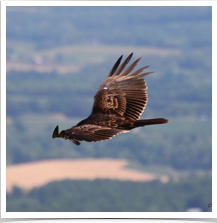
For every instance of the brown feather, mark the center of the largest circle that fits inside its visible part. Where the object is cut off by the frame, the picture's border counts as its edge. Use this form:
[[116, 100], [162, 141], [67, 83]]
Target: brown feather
[[118, 104]]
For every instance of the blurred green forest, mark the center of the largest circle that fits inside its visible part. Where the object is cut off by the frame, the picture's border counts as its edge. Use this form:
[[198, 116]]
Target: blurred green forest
[[114, 196], [179, 90]]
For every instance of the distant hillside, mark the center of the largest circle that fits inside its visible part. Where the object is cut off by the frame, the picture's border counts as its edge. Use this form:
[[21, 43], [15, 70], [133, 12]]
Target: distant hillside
[[150, 26]]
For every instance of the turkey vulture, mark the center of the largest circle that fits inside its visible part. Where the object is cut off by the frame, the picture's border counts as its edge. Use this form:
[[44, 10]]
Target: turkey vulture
[[118, 104]]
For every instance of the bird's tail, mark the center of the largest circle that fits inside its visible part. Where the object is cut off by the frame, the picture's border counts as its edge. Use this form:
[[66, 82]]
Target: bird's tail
[[143, 122], [154, 121]]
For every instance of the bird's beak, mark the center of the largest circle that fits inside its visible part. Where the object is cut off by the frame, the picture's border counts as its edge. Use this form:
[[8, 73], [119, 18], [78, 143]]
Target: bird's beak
[[62, 134], [56, 132]]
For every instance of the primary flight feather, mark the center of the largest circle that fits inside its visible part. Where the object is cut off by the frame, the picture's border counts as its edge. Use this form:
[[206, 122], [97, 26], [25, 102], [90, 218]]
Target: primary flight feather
[[118, 104]]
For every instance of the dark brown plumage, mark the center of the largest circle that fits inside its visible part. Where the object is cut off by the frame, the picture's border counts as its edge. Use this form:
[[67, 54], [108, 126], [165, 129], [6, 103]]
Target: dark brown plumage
[[118, 104]]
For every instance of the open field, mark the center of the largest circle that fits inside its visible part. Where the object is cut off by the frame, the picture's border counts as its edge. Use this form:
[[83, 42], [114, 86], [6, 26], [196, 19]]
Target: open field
[[36, 174], [70, 59]]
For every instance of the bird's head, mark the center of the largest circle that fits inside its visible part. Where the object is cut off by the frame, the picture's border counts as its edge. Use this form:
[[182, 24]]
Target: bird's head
[[64, 135]]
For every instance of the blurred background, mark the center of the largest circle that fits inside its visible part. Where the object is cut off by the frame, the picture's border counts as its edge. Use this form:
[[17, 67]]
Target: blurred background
[[56, 59]]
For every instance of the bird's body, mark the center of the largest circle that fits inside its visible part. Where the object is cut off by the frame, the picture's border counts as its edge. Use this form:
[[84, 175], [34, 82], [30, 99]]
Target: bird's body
[[118, 104]]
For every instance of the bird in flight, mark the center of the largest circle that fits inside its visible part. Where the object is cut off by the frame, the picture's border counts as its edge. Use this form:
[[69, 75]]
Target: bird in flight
[[118, 104]]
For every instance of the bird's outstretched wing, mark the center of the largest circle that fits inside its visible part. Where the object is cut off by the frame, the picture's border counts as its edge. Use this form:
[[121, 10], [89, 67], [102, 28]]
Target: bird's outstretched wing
[[122, 93], [88, 132], [118, 104]]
